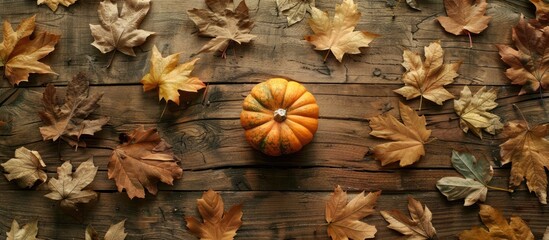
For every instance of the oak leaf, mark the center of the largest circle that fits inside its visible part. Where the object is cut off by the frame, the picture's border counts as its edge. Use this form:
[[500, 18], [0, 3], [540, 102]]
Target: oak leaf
[[115, 232], [141, 161], [473, 111], [19, 53], [217, 224], [427, 79], [53, 4], [69, 120], [498, 227], [169, 77], [26, 168], [528, 63], [408, 137], [69, 187], [528, 150], [419, 227], [344, 217], [28, 232], [294, 10], [465, 17], [224, 23], [542, 12], [337, 34]]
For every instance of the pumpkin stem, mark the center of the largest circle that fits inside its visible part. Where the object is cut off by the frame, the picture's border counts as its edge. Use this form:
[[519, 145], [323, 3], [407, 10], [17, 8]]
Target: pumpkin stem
[[280, 115]]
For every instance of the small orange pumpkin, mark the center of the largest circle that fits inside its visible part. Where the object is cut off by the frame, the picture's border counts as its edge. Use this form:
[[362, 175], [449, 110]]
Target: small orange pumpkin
[[279, 116]]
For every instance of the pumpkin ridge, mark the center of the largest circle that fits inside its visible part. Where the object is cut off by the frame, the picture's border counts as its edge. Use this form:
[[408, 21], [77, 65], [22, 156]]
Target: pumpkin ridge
[[257, 93], [273, 85]]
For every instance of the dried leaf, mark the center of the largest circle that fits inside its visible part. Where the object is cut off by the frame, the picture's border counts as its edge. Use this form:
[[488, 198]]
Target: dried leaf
[[169, 77], [53, 4], [473, 111], [28, 232], [68, 187], [141, 161], [217, 224], [26, 168], [498, 227], [546, 234], [408, 138], [69, 120], [413, 4], [224, 23], [2, 123], [419, 227], [542, 12], [344, 218], [337, 34], [115, 232], [528, 64], [427, 79], [464, 16], [295, 10], [19, 54], [528, 150]]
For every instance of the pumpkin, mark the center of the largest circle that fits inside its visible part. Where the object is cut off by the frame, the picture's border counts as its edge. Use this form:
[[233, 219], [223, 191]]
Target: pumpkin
[[279, 116]]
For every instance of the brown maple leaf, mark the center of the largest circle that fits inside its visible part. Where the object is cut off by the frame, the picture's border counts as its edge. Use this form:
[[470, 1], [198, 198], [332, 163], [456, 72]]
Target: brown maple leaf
[[542, 13], [28, 232], [528, 150], [294, 10], [115, 232], [19, 53], [119, 31], [473, 111], [217, 224], [427, 79], [27, 168], [53, 4], [528, 64], [465, 17], [69, 120], [418, 227], [408, 138], [224, 23], [337, 34], [141, 161], [344, 217], [498, 227], [69, 187]]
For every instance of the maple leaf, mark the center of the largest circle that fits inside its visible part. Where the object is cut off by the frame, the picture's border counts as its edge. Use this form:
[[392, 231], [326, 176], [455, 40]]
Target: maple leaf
[[294, 10], [19, 53], [224, 23], [53, 4], [418, 227], [465, 17], [169, 77], [68, 120], [427, 79], [217, 224], [528, 64], [473, 111], [115, 232], [28, 232], [337, 34], [528, 150], [344, 217], [142, 160], [498, 227], [27, 168], [68, 187], [542, 12], [408, 138], [120, 30]]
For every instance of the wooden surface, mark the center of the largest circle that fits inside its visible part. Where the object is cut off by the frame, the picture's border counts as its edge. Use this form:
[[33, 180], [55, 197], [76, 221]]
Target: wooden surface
[[283, 197]]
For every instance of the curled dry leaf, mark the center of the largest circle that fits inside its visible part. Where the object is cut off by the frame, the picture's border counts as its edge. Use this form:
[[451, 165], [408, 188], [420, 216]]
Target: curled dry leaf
[[528, 63], [170, 77], [542, 12], [344, 217], [408, 138], [427, 79], [141, 161], [498, 227], [413, 4], [224, 23], [419, 227], [473, 111], [337, 34], [69, 120], [528, 150], [53, 4], [68, 187], [294, 10], [115, 232], [26, 168], [217, 224], [465, 17], [19, 54], [28, 232]]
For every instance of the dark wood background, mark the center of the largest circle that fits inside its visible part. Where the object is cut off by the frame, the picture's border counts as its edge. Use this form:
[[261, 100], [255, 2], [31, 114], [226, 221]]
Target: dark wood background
[[283, 197]]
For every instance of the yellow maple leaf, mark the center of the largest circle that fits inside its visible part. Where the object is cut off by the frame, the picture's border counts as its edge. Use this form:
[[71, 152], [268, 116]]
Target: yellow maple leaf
[[498, 227], [53, 4], [170, 77], [473, 111]]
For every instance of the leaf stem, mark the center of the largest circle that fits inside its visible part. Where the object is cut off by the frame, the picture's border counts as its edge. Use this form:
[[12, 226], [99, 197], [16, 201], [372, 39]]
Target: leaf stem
[[326, 56], [112, 58], [420, 102], [499, 189], [470, 40], [522, 115], [162, 114]]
